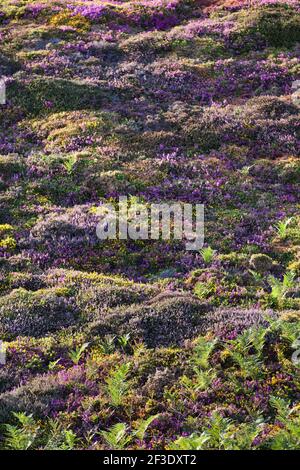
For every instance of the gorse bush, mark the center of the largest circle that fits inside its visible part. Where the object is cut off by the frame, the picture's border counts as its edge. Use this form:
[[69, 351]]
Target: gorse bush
[[77, 22]]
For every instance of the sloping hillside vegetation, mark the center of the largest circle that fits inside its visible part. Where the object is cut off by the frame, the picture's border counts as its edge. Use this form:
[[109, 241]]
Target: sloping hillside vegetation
[[142, 344]]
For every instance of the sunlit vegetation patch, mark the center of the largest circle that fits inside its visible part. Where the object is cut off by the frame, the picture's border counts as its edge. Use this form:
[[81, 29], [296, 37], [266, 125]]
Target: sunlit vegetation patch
[[123, 344]]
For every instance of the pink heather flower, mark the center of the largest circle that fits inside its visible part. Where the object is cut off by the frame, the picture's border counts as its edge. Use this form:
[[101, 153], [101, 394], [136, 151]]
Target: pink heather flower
[[48, 104]]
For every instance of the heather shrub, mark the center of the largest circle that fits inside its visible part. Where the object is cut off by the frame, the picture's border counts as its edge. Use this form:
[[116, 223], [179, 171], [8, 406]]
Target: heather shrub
[[261, 263], [94, 300], [278, 25], [146, 43], [49, 390], [246, 125], [156, 382], [262, 170], [78, 279], [59, 189], [18, 262], [8, 65], [270, 107], [60, 94], [76, 129], [109, 288], [11, 165], [8, 380], [55, 163], [95, 293], [233, 260], [199, 48], [164, 101], [165, 322], [25, 313], [229, 322], [28, 281], [61, 232], [289, 170], [208, 131]]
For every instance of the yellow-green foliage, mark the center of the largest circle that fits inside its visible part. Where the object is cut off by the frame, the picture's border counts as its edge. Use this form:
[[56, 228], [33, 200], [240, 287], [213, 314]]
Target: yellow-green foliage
[[60, 128], [72, 277], [8, 243], [5, 229], [278, 24], [295, 267], [199, 48], [66, 18]]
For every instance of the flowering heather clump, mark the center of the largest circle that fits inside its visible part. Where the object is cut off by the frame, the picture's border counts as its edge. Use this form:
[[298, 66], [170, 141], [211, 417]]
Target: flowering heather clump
[[123, 344], [29, 313]]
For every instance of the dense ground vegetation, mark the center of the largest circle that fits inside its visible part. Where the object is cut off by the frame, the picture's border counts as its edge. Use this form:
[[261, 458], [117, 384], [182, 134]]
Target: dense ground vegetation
[[126, 345]]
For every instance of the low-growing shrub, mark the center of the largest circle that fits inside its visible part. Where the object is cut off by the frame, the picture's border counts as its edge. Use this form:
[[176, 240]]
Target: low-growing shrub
[[26, 313], [163, 323]]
